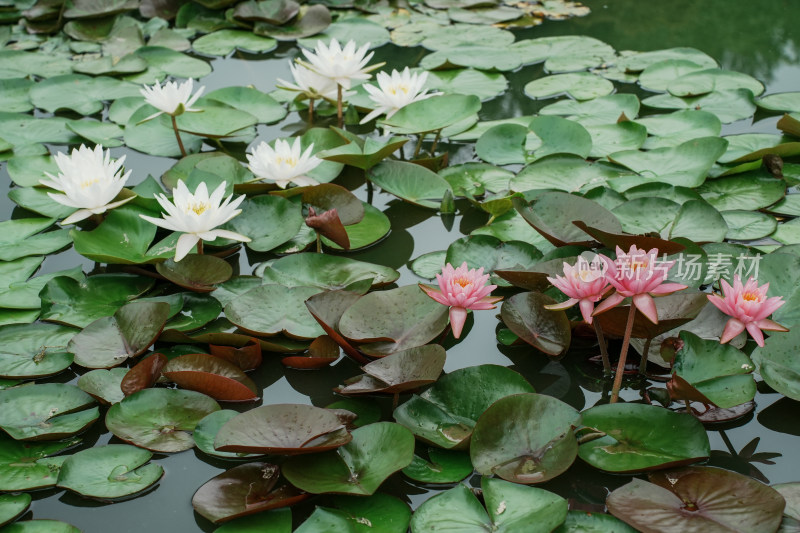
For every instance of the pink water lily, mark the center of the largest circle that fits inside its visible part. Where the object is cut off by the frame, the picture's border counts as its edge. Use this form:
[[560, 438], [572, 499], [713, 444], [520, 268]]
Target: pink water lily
[[748, 307], [585, 284], [638, 275], [462, 289]]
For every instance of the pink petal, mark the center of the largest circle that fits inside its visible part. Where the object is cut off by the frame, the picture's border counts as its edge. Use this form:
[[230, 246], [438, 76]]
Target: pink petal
[[587, 306], [458, 315], [667, 288], [646, 304], [754, 332], [435, 294], [720, 304], [732, 329], [770, 325], [612, 301]]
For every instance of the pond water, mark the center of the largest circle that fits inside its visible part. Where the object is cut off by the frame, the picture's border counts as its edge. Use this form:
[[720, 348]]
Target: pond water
[[761, 40]]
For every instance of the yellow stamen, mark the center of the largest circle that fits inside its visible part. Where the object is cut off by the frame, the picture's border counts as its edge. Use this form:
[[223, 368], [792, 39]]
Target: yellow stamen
[[462, 281], [89, 182], [291, 161], [198, 208], [751, 297]]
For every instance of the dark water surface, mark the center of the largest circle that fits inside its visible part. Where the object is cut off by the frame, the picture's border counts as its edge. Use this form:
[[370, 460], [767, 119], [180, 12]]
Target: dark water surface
[[758, 38]]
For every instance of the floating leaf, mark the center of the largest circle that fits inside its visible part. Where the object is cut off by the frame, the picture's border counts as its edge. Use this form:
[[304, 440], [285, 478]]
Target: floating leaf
[[36, 350], [104, 385], [445, 466], [398, 372], [546, 330], [272, 309], [12, 506], [410, 182], [28, 465], [48, 411], [216, 377]]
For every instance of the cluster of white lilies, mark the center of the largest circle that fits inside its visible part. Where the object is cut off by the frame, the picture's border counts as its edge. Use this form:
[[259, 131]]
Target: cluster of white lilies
[[90, 181]]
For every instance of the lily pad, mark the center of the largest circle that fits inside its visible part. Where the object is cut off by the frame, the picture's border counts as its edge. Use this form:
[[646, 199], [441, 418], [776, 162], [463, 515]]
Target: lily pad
[[410, 182], [510, 508], [432, 114], [325, 271], [21, 238], [144, 374], [223, 42], [398, 372], [445, 414], [110, 341], [206, 431], [776, 364], [638, 437], [272, 309], [311, 20], [244, 490], [286, 429], [196, 272], [749, 191], [359, 467], [393, 320], [29, 465], [564, 173], [109, 472], [12, 506], [728, 105], [35, 350], [588, 522], [104, 385], [48, 411], [160, 420], [380, 513], [443, 466], [525, 438], [79, 93], [578, 85], [214, 376], [697, 498], [545, 330]]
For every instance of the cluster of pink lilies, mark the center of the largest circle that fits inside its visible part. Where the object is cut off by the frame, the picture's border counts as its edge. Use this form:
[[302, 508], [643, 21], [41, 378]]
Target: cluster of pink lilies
[[637, 274]]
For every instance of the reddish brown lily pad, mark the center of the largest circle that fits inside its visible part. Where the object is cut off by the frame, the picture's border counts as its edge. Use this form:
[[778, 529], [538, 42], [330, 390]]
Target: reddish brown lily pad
[[327, 308], [674, 310], [144, 375], [244, 490], [322, 352], [216, 377], [247, 357], [399, 372]]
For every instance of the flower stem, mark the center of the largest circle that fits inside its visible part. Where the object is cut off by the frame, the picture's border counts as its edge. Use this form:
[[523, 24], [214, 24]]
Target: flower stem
[[419, 145], [623, 355], [178, 136], [339, 114], [97, 218], [601, 340], [319, 243], [200, 247], [436, 141], [645, 353], [311, 113]]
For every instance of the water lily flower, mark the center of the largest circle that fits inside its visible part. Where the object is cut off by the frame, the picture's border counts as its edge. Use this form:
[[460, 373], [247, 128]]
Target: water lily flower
[[283, 164], [172, 99], [396, 91], [197, 215], [340, 64], [585, 284], [308, 83], [89, 179], [748, 307], [462, 289], [638, 275]]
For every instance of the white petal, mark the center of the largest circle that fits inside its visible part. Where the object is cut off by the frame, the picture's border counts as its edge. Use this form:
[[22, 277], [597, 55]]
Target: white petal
[[186, 243]]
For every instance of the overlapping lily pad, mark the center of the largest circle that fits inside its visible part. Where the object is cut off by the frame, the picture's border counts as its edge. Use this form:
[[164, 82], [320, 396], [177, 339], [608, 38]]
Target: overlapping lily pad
[[445, 414], [160, 420], [546, 330], [398, 372], [325, 271], [49, 411], [31, 465], [272, 309], [214, 376]]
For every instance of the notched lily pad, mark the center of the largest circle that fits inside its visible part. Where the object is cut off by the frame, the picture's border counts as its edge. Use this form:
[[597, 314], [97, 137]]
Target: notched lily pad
[[398, 372]]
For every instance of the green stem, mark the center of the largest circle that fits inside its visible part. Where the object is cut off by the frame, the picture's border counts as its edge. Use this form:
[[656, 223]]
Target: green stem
[[419, 145], [601, 340], [623, 355], [311, 113], [436, 141], [645, 353], [178, 135], [339, 114]]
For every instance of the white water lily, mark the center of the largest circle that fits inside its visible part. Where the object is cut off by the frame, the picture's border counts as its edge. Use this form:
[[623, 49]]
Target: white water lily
[[396, 91], [172, 99], [309, 83], [197, 215], [342, 65], [89, 179], [284, 163]]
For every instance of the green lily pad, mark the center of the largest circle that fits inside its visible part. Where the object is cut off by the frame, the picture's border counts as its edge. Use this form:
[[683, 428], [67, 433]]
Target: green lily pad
[[479, 56], [698, 221], [326, 272], [16, 93], [207, 429], [640, 437], [272, 309], [311, 20], [705, 81], [509, 507], [398, 372], [714, 498], [673, 129], [12, 506], [244, 490], [197, 311], [21, 238], [432, 114], [611, 138], [749, 191], [748, 225], [445, 414], [393, 320], [587, 522], [359, 467], [360, 30], [719, 371], [363, 154], [379, 513], [28, 465], [444, 466], [286, 429], [23, 130], [223, 42], [373, 227], [639, 61], [156, 136], [646, 214], [525, 438], [41, 526], [36, 199], [104, 385], [729, 105], [110, 341], [79, 93], [35, 350], [162, 61], [545, 330], [578, 85], [563, 172], [658, 76], [160, 420], [746, 146], [200, 273], [34, 412], [262, 106], [776, 364], [490, 253], [484, 85], [599, 111], [503, 144], [788, 102], [109, 472]]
